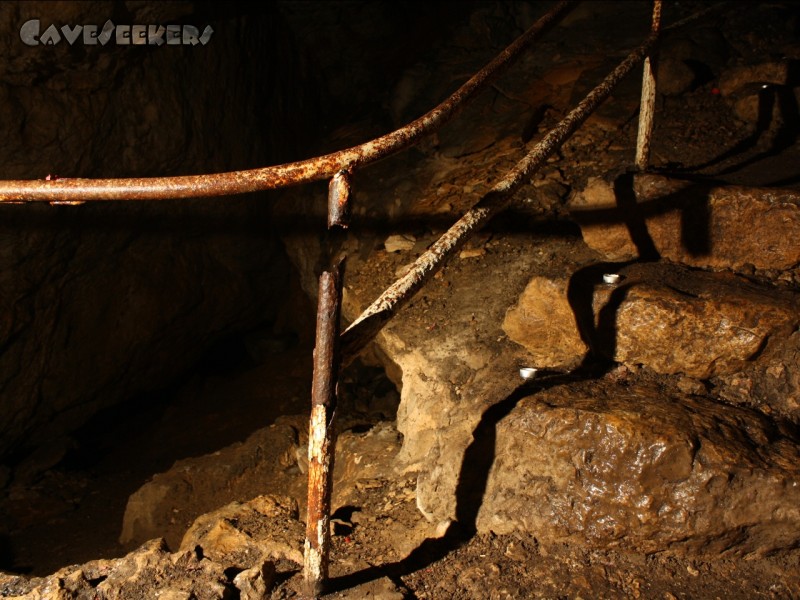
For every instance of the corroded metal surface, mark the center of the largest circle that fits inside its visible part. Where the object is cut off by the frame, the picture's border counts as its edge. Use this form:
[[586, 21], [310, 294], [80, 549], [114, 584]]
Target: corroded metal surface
[[322, 167], [339, 190], [370, 322], [322, 431]]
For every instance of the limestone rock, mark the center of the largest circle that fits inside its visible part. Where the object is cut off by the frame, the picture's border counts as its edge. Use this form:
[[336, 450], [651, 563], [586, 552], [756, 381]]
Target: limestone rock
[[608, 235], [686, 61], [647, 473], [228, 553], [772, 384], [168, 504], [378, 589], [269, 459], [152, 568], [399, 242], [700, 324], [740, 76], [718, 227], [741, 85], [675, 77], [150, 571], [255, 583], [668, 318], [239, 534], [544, 323]]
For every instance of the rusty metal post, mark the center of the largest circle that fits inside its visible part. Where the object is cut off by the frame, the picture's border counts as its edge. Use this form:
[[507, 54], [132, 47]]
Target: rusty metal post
[[339, 199], [648, 103], [322, 428], [322, 432]]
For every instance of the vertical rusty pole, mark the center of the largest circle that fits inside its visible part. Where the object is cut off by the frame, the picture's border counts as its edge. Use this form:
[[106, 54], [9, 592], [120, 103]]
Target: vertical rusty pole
[[322, 430], [647, 108]]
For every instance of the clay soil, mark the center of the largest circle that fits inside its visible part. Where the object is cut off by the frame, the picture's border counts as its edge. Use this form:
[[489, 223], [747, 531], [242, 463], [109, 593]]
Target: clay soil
[[71, 509]]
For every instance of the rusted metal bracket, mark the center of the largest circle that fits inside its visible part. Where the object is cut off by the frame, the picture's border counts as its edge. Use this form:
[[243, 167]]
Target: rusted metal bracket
[[372, 320], [648, 103], [267, 178]]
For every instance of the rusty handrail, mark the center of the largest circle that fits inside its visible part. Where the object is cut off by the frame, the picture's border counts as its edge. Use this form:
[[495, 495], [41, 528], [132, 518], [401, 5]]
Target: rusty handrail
[[266, 178], [322, 430]]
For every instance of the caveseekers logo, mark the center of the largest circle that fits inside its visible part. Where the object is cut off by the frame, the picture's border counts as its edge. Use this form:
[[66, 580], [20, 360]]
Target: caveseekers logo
[[123, 35]]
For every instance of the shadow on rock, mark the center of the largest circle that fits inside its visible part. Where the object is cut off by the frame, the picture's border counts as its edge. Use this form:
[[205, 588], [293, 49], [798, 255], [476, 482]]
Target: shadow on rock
[[475, 467]]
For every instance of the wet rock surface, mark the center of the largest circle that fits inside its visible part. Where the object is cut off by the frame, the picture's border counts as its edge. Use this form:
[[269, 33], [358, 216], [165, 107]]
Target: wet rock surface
[[635, 467]]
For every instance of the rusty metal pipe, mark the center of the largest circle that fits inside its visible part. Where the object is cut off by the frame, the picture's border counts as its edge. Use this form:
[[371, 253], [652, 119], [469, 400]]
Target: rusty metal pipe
[[322, 431], [254, 180], [372, 320], [322, 428]]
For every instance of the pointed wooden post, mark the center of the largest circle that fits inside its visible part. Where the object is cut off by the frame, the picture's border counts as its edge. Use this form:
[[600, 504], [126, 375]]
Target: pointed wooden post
[[647, 108]]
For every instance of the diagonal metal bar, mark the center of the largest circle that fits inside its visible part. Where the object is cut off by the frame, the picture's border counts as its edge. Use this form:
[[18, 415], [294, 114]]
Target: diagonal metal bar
[[254, 180], [372, 320]]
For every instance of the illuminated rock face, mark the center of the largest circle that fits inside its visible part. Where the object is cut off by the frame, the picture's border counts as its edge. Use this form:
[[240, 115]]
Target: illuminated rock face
[[653, 455], [708, 322], [666, 317], [693, 223], [636, 469]]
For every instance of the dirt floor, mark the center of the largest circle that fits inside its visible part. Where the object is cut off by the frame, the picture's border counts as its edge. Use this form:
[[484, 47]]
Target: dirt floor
[[71, 510]]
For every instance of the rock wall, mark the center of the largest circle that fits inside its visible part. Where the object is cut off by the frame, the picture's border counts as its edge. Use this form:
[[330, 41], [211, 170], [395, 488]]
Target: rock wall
[[102, 301]]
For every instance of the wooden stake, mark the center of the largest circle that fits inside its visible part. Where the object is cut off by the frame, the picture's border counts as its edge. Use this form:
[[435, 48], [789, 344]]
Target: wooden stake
[[648, 103]]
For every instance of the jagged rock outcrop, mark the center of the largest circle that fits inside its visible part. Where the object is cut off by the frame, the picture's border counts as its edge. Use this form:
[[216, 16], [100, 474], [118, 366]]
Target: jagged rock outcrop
[[666, 317], [227, 553]]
